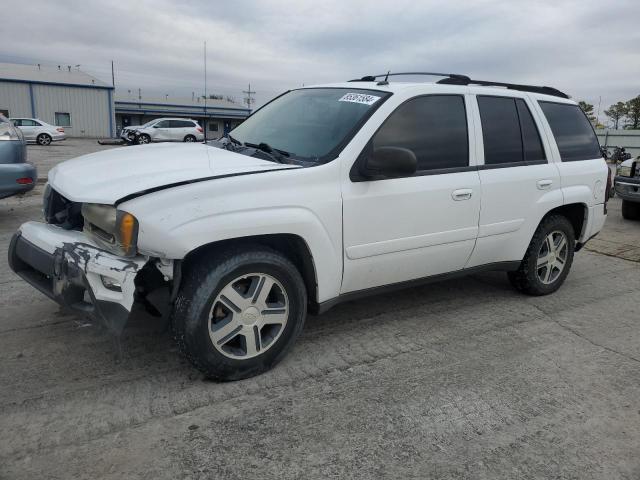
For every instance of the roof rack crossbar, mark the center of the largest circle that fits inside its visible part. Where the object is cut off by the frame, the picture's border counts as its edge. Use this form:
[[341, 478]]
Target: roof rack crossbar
[[457, 79]]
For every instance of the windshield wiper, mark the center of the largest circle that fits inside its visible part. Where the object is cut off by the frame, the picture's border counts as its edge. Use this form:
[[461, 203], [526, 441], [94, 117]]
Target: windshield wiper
[[233, 140], [277, 154]]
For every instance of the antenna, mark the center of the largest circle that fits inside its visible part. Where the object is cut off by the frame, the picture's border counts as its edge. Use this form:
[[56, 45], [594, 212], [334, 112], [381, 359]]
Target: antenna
[[386, 79], [113, 78]]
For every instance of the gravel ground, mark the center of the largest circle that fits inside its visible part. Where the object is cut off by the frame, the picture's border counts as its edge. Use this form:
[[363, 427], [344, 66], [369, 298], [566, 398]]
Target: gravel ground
[[461, 379]]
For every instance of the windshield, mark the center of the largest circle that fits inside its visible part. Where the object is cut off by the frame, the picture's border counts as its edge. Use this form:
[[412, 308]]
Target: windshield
[[310, 123]]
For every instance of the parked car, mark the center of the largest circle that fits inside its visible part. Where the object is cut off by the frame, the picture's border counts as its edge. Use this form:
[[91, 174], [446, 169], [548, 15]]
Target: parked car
[[627, 186], [325, 194], [16, 175], [164, 130], [35, 130]]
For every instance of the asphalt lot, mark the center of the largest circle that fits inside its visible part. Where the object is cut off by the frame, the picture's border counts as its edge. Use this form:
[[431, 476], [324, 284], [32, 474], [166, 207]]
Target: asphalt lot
[[461, 379]]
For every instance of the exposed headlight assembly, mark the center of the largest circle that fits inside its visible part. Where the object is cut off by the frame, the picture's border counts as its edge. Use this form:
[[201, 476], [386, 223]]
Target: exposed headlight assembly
[[113, 229]]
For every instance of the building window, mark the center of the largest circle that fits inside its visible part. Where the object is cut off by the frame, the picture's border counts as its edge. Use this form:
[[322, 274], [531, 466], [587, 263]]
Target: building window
[[63, 119], [213, 126]]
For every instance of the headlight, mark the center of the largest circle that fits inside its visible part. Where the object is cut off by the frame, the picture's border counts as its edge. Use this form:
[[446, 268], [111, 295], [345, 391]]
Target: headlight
[[114, 229], [624, 171]]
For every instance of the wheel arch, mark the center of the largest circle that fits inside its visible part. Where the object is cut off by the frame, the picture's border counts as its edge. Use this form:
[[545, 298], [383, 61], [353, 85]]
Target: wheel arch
[[576, 213], [292, 246]]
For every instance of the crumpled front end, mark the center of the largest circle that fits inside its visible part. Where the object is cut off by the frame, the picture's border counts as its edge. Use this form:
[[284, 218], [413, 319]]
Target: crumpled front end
[[67, 267]]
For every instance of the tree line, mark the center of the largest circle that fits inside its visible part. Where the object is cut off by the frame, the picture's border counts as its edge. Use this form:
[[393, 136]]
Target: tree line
[[622, 114]]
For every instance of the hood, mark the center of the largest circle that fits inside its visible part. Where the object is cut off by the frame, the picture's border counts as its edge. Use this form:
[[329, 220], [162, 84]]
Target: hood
[[107, 176], [629, 162]]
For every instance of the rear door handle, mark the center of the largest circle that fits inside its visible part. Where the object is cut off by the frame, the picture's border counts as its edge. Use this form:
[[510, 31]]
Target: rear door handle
[[544, 184], [462, 194]]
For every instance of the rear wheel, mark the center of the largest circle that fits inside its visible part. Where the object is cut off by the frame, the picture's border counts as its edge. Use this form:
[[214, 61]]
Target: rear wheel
[[630, 210], [238, 312], [548, 259], [43, 139], [189, 138]]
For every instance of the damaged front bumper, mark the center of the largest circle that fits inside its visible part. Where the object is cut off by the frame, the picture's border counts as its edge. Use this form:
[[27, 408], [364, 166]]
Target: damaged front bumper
[[67, 267]]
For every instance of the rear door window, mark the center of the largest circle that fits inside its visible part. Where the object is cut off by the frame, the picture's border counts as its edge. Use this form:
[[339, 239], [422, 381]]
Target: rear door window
[[574, 134], [500, 130]]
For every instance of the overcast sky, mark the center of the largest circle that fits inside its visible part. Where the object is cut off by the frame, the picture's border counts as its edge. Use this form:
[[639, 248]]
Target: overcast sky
[[586, 48]]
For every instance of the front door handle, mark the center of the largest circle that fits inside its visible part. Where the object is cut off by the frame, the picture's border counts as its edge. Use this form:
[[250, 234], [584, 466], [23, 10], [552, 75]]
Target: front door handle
[[462, 194], [544, 184]]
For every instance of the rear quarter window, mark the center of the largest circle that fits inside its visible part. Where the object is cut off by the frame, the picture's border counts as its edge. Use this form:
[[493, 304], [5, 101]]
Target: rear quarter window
[[574, 134]]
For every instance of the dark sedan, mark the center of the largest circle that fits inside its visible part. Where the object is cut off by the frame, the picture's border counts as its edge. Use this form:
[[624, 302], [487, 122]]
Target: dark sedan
[[16, 175]]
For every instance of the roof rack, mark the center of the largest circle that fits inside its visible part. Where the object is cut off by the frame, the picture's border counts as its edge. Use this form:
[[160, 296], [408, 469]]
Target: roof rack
[[457, 79], [372, 78]]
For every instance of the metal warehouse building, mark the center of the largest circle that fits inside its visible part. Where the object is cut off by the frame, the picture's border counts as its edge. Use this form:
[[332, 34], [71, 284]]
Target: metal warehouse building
[[86, 107], [61, 96]]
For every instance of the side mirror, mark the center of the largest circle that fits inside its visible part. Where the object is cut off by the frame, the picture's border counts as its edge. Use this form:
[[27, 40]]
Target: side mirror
[[390, 162]]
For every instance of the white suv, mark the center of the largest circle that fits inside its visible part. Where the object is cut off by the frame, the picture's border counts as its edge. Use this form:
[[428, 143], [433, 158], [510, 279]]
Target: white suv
[[325, 194], [165, 130]]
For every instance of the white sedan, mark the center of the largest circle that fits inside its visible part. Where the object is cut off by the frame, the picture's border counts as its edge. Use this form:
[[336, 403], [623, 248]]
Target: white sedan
[[35, 130]]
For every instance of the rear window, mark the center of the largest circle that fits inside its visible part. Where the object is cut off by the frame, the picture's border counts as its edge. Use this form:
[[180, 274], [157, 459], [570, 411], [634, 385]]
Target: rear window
[[574, 134]]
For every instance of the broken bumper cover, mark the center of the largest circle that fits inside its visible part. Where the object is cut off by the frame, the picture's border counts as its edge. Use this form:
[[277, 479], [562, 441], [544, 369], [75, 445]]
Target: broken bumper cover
[[67, 267]]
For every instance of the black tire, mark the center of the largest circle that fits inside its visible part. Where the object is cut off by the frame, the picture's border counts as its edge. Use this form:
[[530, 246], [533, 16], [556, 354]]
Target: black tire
[[526, 278], [143, 139], [43, 139], [630, 210], [203, 280], [189, 138]]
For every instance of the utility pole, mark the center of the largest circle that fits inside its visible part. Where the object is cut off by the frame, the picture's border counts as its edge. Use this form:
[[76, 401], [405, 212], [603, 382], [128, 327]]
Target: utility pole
[[113, 77], [205, 91], [248, 100]]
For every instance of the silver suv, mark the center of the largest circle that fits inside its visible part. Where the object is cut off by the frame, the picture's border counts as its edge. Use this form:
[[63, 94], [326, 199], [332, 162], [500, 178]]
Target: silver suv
[[164, 130]]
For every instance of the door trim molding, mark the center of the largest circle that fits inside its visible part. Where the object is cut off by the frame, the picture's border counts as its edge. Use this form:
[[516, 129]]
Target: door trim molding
[[358, 294]]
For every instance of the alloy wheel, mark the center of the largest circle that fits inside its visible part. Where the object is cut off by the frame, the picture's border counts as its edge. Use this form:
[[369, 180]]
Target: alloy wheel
[[552, 257], [248, 316]]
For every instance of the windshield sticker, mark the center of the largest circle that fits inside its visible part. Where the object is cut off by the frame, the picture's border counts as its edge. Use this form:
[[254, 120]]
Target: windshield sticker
[[359, 98]]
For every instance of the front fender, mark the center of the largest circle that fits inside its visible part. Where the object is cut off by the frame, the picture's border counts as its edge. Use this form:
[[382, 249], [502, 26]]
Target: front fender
[[303, 202]]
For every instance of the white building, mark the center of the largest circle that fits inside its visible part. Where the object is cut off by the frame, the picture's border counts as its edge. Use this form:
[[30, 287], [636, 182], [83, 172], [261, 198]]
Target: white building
[[63, 96]]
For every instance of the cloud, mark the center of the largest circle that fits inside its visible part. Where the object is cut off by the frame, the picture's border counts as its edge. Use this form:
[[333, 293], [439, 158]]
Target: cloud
[[587, 48]]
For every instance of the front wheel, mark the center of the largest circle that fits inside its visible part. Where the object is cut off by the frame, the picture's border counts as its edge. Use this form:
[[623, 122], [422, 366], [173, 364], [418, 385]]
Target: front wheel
[[548, 259], [43, 139], [144, 139], [239, 311], [630, 210]]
